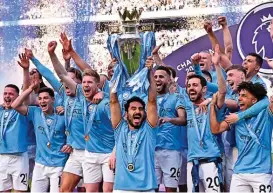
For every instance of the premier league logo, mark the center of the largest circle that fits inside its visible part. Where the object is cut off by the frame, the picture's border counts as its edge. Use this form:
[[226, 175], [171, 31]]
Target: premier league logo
[[253, 35]]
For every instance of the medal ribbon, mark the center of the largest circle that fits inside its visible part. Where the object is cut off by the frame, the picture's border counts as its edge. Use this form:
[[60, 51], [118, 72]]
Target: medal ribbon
[[49, 130], [204, 120], [68, 118], [131, 155], [87, 127], [4, 126]]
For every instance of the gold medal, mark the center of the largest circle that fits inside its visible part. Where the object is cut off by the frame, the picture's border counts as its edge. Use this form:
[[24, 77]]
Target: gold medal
[[86, 137], [48, 144], [66, 132], [131, 167]]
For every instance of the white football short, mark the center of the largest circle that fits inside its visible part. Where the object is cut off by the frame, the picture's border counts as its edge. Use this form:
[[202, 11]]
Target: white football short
[[249, 182], [43, 176], [74, 163], [183, 168], [208, 175], [14, 170], [96, 168], [167, 167]]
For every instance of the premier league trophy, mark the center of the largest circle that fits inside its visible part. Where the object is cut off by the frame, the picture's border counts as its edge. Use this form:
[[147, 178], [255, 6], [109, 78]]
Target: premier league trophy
[[130, 43]]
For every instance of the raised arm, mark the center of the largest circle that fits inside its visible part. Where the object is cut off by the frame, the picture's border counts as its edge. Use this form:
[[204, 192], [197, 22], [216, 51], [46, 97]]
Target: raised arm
[[67, 58], [222, 20], [45, 72], [24, 63], [213, 39], [152, 115], [18, 103], [115, 110], [67, 46], [215, 126], [60, 70], [222, 89], [156, 56]]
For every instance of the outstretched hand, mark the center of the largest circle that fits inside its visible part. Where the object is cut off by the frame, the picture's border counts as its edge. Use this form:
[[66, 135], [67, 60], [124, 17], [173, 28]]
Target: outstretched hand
[[67, 44], [28, 53], [24, 61]]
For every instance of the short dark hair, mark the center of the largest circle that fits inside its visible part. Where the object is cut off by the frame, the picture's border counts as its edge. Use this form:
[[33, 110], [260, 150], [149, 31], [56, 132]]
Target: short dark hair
[[259, 59], [172, 70], [93, 73], [77, 72], [14, 87], [257, 89], [205, 72], [203, 81], [236, 67], [165, 68], [48, 90], [133, 99]]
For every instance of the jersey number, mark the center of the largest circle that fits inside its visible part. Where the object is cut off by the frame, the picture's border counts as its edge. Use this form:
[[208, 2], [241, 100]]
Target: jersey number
[[175, 172], [213, 182], [263, 188], [23, 178]]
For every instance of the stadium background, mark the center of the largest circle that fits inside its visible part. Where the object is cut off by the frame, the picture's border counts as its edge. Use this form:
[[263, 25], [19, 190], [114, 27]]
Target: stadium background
[[33, 23]]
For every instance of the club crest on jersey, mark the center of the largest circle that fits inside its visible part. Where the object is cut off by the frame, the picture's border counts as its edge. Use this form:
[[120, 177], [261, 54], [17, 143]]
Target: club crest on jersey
[[48, 121], [253, 34], [70, 102], [6, 114], [126, 95], [90, 108]]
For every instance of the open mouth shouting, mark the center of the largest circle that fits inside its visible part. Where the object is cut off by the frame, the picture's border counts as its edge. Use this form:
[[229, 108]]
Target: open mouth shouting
[[137, 119], [7, 101], [43, 106]]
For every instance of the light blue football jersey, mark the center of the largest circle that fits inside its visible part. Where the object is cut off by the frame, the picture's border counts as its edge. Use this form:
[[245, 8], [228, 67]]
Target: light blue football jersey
[[143, 177], [253, 140], [51, 130], [258, 79], [14, 128], [101, 133], [73, 118], [169, 135], [210, 146]]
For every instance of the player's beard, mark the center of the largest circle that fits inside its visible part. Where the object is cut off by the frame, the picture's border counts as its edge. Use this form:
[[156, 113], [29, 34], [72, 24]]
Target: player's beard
[[198, 97], [163, 89]]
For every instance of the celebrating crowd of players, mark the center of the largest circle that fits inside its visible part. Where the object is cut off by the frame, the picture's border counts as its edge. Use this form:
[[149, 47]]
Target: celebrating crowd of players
[[213, 134]]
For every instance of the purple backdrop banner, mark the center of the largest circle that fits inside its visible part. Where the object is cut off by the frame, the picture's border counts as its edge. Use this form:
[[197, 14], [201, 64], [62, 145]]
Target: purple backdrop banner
[[252, 34]]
